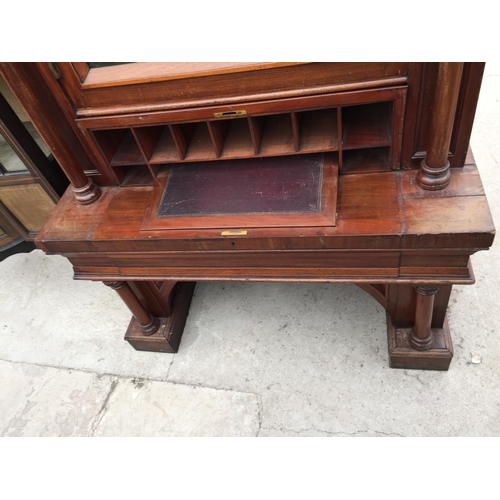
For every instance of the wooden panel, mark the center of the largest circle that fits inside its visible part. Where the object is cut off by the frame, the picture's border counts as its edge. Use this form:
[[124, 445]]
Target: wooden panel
[[256, 125], [458, 215], [147, 138], [29, 204], [253, 108], [440, 273], [466, 109], [434, 258], [109, 141], [295, 275], [128, 152], [318, 130], [138, 175], [238, 142], [281, 81], [218, 131], [428, 85], [201, 146], [169, 146], [367, 196], [366, 126], [401, 305], [326, 259], [365, 160], [277, 135], [151, 297], [295, 129]]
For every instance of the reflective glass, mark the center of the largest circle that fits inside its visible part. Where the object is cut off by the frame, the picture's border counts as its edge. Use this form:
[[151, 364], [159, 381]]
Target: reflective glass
[[9, 159]]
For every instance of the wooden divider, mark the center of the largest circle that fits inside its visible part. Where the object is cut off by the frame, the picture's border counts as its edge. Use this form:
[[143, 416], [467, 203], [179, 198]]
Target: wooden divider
[[361, 134]]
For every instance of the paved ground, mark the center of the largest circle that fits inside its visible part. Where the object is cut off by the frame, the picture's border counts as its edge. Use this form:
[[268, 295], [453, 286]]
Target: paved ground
[[255, 359]]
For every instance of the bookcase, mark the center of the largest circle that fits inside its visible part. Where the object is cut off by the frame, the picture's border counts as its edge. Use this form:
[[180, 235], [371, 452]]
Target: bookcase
[[302, 172]]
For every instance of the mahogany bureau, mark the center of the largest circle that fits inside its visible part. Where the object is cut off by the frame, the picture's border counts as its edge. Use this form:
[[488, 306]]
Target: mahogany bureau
[[302, 172]]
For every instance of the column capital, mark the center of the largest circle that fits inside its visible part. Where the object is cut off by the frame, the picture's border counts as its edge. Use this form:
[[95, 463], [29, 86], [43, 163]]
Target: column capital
[[426, 290]]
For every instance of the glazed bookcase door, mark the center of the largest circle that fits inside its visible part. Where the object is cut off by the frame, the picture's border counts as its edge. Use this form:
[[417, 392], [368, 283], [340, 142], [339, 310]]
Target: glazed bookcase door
[[136, 87], [27, 198]]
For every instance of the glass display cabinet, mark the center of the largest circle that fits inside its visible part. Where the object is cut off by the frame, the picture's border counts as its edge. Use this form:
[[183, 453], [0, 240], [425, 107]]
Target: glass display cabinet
[[31, 182], [302, 172]]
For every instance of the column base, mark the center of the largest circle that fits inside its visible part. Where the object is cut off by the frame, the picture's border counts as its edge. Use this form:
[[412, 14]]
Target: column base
[[168, 336], [433, 179], [402, 355], [87, 194]]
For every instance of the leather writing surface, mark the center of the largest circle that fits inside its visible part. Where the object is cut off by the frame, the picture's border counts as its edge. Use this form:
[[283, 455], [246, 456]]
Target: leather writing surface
[[280, 185]]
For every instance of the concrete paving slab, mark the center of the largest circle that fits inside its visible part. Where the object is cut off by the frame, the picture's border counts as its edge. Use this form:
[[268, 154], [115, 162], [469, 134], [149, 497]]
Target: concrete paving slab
[[39, 401], [318, 356], [50, 319], [147, 408], [260, 327]]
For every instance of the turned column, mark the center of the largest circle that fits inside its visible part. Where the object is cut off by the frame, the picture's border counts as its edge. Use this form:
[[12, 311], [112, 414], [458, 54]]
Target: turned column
[[421, 337], [434, 171], [148, 323]]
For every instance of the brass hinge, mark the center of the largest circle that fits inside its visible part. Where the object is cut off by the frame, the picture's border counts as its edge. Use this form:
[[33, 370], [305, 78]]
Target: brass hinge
[[56, 73]]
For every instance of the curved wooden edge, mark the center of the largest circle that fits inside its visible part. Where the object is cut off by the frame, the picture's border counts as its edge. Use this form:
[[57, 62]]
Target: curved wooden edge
[[376, 292]]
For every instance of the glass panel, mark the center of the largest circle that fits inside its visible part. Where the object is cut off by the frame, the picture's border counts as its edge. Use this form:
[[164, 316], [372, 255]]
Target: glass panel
[[95, 65], [9, 161], [14, 104], [34, 133]]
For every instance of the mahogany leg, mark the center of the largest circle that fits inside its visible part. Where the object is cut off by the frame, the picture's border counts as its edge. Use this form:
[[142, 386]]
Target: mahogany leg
[[148, 323], [165, 304], [421, 337], [417, 329]]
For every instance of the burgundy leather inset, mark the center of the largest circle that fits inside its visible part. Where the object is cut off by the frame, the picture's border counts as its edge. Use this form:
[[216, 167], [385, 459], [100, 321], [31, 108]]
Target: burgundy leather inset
[[279, 185]]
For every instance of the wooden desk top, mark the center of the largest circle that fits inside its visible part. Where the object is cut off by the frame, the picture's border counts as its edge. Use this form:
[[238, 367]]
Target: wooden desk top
[[388, 231]]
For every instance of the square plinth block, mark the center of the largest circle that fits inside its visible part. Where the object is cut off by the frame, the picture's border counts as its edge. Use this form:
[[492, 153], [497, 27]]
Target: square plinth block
[[168, 337], [402, 355]]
